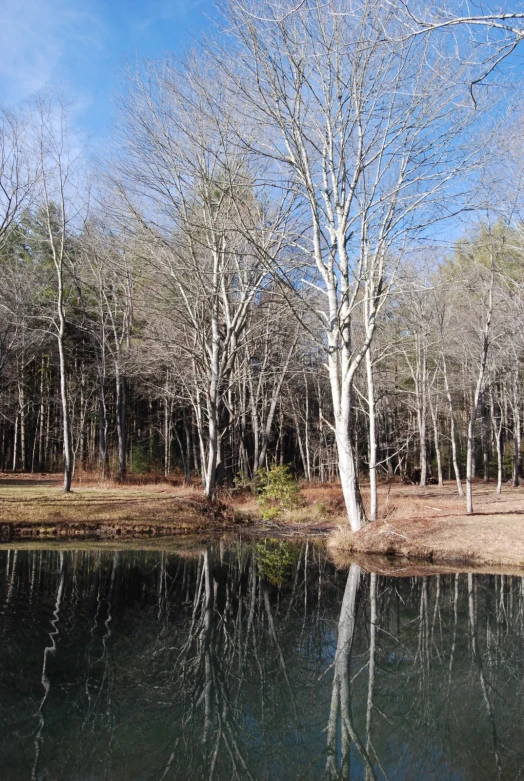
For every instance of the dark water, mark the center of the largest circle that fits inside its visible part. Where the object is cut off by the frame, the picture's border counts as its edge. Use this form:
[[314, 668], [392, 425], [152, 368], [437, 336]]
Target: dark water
[[254, 662]]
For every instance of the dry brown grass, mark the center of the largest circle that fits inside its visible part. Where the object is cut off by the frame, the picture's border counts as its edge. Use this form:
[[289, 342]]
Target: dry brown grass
[[39, 500], [417, 523], [431, 524], [404, 502]]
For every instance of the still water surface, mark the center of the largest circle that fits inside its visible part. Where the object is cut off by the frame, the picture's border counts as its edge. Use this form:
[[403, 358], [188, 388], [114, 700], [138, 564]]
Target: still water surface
[[241, 661]]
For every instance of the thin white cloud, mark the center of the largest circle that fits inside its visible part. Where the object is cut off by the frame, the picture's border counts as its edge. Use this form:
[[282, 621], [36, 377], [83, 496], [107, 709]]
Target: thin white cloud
[[36, 38]]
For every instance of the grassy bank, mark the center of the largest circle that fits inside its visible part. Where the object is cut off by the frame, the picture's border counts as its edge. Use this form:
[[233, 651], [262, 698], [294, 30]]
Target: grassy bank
[[34, 506], [426, 525]]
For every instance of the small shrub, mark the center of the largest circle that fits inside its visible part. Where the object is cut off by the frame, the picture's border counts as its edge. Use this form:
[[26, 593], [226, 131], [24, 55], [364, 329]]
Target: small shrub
[[277, 491]]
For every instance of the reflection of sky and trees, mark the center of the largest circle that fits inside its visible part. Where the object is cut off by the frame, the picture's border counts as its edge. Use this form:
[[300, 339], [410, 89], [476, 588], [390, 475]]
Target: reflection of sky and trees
[[255, 662]]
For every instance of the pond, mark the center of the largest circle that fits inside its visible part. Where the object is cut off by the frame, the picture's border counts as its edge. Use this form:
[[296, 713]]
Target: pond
[[239, 660]]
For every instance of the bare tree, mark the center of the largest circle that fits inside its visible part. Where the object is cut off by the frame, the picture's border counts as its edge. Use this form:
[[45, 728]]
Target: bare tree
[[59, 206], [211, 240], [369, 135], [503, 30]]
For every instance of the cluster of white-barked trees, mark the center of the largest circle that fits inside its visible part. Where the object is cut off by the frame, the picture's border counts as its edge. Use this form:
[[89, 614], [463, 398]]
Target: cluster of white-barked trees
[[262, 249]]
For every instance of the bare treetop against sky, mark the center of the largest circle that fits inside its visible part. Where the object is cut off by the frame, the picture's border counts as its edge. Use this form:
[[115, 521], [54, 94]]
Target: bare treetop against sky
[[79, 45]]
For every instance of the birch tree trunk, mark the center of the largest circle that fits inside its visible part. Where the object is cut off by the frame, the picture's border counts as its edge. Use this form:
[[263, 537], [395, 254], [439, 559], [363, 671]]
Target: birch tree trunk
[[213, 390], [56, 166], [436, 438], [497, 435], [41, 462], [15, 444], [102, 427], [484, 437], [372, 438], [121, 423]]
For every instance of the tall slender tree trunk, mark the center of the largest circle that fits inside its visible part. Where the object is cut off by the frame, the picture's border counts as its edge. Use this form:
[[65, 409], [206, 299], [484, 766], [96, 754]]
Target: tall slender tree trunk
[[477, 392], [516, 427], [212, 448], [67, 449], [497, 435], [167, 437], [436, 439], [167, 428], [422, 411], [452, 429], [255, 429], [41, 463], [121, 420], [21, 401], [102, 427], [372, 444], [15, 444], [213, 391], [306, 431], [484, 437], [199, 453], [346, 455], [47, 429], [35, 444], [187, 463]]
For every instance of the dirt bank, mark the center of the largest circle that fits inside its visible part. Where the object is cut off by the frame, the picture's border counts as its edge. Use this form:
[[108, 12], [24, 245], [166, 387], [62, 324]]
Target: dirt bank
[[399, 567], [430, 525]]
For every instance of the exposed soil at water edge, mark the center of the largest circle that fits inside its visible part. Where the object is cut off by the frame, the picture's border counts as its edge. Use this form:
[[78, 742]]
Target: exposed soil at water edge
[[430, 524]]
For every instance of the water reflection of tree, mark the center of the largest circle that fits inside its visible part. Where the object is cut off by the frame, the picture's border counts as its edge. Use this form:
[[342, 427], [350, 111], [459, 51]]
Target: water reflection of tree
[[338, 761], [45, 681], [217, 655], [199, 666], [419, 714]]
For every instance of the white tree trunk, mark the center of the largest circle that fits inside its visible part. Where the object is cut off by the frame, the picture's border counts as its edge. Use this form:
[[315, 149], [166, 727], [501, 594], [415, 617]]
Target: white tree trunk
[[478, 389], [372, 439], [452, 429], [341, 393], [497, 436], [516, 427]]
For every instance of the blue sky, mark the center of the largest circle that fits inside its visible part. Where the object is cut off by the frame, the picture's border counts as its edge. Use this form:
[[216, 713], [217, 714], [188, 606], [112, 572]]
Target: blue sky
[[78, 46]]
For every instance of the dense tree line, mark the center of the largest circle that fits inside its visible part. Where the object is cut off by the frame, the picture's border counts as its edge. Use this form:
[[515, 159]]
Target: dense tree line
[[254, 274]]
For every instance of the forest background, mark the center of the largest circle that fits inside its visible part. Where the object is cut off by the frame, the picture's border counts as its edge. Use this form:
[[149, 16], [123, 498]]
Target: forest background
[[301, 245]]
